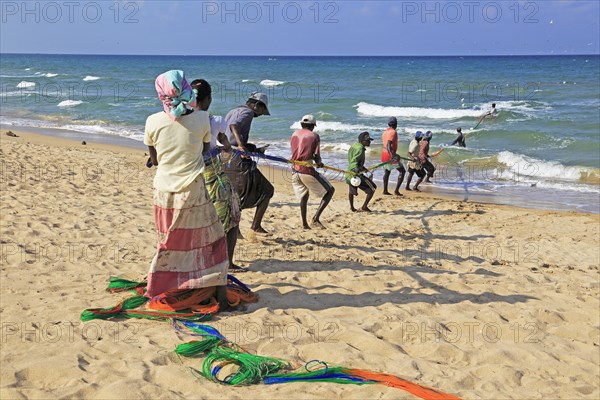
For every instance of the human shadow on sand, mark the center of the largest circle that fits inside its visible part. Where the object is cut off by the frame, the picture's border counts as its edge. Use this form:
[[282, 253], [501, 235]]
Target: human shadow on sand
[[270, 266], [270, 296], [409, 250]]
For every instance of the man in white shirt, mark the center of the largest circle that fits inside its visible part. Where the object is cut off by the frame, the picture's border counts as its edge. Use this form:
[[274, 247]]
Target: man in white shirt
[[414, 166], [492, 113]]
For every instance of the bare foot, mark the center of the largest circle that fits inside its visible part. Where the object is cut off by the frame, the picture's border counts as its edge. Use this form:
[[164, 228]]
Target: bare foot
[[353, 209], [365, 209], [305, 226], [407, 188], [260, 229], [416, 189], [398, 194], [318, 224], [387, 193]]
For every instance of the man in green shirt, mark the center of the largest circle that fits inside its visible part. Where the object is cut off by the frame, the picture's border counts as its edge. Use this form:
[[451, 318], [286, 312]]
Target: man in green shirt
[[356, 161]]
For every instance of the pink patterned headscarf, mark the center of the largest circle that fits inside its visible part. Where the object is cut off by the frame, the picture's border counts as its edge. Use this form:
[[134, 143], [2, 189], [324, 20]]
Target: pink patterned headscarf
[[175, 93]]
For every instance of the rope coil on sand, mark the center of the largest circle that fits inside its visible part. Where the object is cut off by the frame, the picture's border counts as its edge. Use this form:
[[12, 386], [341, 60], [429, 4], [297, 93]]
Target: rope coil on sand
[[244, 368], [189, 304], [226, 362]]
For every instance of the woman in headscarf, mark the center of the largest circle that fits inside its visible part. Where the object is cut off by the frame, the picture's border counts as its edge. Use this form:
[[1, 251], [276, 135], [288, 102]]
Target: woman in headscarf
[[222, 193], [192, 248]]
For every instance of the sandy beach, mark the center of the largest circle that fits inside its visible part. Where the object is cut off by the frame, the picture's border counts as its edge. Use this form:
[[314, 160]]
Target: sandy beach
[[476, 300]]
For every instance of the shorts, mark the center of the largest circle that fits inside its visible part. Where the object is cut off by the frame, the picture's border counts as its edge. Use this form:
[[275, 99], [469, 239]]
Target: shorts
[[366, 185], [420, 172], [428, 167], [305, 183], [250, 184], [393, 166]]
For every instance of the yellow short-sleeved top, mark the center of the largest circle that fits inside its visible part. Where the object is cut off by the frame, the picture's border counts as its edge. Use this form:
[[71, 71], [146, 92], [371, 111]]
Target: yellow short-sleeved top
[[178, 146]]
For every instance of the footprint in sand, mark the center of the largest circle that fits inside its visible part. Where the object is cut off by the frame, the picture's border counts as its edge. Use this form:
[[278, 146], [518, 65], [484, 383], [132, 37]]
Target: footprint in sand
[[161, 360], [82, 363]]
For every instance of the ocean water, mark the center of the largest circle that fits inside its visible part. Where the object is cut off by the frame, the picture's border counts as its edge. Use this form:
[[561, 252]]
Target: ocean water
[[543, 149]]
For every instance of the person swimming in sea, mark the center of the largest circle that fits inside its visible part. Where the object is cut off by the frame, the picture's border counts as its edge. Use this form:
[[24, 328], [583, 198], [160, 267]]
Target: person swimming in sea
[[460, 140]]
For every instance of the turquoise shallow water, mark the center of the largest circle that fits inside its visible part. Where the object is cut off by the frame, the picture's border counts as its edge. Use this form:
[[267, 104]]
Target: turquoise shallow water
[[543, 148]]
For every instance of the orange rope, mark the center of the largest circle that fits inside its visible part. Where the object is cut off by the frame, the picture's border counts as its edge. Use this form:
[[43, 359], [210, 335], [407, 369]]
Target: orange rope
[[438, 153], [198, 300], [393, 381]]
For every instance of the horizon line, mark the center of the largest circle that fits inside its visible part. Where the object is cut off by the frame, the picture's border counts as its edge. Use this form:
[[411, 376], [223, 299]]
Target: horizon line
[[304, 56]]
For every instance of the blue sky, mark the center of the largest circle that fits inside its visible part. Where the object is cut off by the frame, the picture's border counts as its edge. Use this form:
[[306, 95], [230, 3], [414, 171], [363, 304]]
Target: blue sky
[[304, 28]]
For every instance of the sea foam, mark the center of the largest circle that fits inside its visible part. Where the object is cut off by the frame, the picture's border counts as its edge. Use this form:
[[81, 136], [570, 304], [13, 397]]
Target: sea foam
[[375, 110], [324, 126], [270, 83], [522, 165], [25, 84], [69, 103]]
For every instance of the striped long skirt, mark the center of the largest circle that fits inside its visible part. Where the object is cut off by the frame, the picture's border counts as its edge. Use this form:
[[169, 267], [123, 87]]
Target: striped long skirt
[[192, 248]]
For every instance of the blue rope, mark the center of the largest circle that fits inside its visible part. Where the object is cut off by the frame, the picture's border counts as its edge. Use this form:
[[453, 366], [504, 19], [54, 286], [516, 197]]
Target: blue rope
[[350, 379], [237, 283], [209, 330]]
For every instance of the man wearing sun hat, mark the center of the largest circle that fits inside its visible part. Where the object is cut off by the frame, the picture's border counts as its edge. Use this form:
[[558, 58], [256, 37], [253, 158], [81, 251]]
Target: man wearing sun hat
[[251, 185], [305, 179], [357, 180], [239, 120]]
